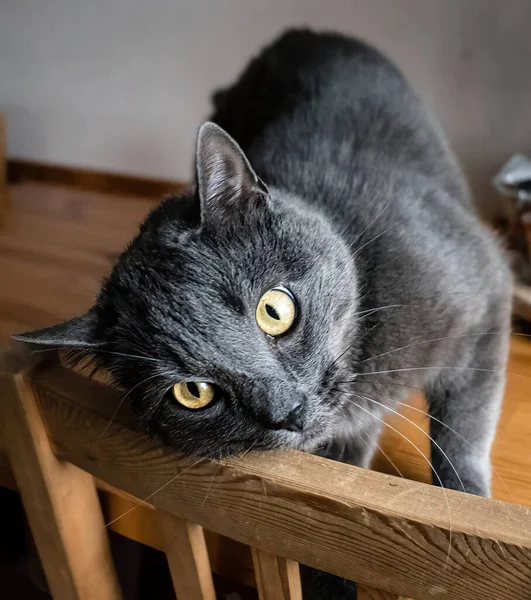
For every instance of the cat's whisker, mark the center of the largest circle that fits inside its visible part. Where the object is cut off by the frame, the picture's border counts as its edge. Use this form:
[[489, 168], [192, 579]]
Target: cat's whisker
[[90, 351], [243, 455], [411, 387], [211, 484], [358, 250], [439, 367], [383, 453], [360, 235], [349, 347], [120, 404], [369, 311], [430, 465], [415, 303], [387, 408], [404, 369], [422, 342], [42, 350], [145, 500], [422, 412]]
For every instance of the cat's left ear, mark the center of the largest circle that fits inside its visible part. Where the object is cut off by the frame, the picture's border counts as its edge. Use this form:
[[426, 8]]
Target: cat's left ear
[[226, 182], [79, 332]]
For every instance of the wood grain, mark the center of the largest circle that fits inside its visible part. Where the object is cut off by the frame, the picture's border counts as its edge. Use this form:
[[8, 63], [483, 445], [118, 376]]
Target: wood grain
[[367, 593], [277, 578], [185, 547], [60, 500], [100, 181], [357, 524]]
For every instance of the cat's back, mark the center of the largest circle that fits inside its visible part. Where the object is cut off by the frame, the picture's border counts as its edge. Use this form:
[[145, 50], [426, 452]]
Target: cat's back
[[301, 66], [315, 102]]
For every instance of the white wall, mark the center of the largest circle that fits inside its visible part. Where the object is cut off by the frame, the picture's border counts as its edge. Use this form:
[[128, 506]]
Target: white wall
[[121, 85]]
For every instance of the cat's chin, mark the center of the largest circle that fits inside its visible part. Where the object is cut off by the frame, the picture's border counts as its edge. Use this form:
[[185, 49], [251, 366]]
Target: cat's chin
[[307, 441]]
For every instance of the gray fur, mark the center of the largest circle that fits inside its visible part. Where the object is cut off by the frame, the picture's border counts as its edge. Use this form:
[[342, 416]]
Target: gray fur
[[355, 203]]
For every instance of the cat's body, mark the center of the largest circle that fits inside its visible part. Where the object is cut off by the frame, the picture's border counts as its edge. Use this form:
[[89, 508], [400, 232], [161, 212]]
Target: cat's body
[[332, 121], [367, 221]]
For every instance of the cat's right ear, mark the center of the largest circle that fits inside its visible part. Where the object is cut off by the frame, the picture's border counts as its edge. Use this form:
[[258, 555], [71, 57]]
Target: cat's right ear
[[79, 332], [226, 182]]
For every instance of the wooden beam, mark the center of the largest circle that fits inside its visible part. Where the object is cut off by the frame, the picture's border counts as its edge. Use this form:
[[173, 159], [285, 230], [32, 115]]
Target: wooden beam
[[357, 524], [60, 500], [185, 547], [368, 593], [19, 170], [277, 578]]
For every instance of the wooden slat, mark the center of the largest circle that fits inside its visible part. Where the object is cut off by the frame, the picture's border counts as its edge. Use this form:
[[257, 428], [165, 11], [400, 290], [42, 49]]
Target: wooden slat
[[357, 524], [60, 500], [187, 555], [228, 558], [277, 578]]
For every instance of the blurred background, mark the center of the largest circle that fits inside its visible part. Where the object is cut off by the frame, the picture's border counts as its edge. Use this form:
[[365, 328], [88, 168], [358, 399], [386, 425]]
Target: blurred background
[[122, 85]]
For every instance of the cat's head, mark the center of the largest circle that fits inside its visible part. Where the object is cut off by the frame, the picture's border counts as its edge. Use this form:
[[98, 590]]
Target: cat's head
[[228, 317]]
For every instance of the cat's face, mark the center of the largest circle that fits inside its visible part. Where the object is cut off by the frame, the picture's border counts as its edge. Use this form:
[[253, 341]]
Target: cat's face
[[176, 322]]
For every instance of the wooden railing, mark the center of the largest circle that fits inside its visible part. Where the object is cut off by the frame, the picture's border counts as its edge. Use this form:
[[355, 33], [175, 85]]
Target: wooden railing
[[396, 538]]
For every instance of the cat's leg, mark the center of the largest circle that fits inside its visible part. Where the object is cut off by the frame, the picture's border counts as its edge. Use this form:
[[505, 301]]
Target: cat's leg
[[464, 404]]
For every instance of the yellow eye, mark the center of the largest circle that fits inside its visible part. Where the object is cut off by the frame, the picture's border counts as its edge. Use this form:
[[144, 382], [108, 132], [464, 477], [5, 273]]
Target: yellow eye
[[276, 311], [193, 394]]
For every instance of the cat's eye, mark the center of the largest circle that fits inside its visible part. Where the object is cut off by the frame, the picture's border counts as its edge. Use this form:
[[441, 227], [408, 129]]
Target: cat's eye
[[193, 394], [276, 311]]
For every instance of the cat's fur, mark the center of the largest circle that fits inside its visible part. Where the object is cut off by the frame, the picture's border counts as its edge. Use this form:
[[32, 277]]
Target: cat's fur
[[357, 207]]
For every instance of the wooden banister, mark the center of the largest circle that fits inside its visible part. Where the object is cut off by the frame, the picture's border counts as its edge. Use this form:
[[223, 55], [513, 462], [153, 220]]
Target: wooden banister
[[404, 538]]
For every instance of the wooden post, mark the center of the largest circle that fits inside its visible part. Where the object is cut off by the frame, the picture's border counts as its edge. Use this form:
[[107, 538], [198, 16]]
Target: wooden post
[[277, 578], [60, 500], [187, 558]]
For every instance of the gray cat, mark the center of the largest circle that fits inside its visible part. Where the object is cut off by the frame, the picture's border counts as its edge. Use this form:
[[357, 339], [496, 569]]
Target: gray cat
[[302, 288]]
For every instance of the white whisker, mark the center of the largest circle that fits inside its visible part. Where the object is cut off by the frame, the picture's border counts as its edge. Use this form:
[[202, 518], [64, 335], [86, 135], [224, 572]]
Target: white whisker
[[145, 500], [422, 431], [439, 339], [429, 463], [382, 451], [494, 470], [358, 250], [120, 404], [359, 236]]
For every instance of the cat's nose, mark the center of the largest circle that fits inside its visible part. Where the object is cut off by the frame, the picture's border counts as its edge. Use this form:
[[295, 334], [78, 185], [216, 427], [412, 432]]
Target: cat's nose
[[293, 422]]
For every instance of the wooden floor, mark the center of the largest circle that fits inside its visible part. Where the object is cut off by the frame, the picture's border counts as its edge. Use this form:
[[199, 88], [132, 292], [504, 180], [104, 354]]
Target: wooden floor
[[58, 242]]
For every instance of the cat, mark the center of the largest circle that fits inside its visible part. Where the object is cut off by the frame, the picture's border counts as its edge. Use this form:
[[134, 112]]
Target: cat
[[327, 260]]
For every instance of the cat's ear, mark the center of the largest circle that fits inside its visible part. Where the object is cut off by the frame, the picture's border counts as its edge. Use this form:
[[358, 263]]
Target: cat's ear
[[79, 332], [226, 182]]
